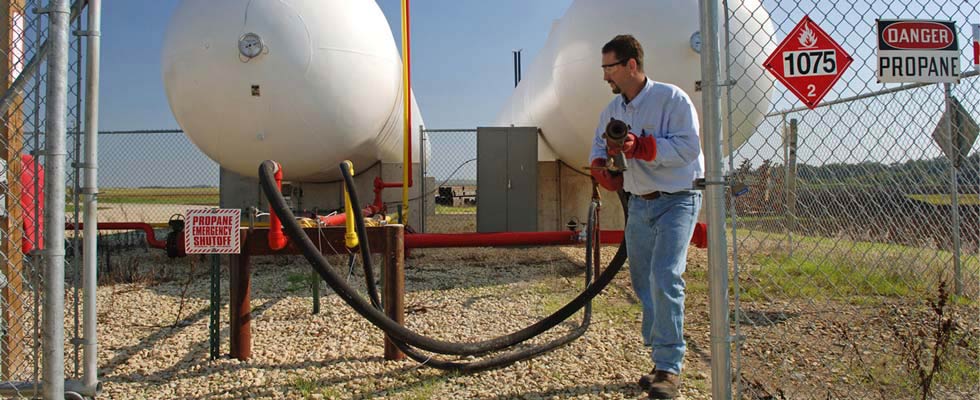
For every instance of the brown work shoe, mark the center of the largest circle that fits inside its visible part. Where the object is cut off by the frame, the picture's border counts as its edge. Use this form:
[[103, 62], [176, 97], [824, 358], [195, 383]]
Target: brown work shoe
[[664, 385], [647, 380]]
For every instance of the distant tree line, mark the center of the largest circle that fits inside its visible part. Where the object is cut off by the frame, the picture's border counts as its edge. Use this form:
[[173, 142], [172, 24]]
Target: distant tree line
[[927, 176]]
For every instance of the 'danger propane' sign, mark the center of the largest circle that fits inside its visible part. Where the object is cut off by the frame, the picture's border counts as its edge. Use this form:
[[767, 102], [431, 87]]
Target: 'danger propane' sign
[[212, 231], [917, 51]]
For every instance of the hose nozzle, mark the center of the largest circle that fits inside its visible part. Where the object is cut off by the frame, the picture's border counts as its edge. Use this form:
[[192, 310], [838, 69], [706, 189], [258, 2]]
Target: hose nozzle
[[616, 132]]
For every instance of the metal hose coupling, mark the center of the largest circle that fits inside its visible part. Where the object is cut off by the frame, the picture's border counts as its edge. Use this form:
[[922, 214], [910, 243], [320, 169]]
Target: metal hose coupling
[[615, 133]]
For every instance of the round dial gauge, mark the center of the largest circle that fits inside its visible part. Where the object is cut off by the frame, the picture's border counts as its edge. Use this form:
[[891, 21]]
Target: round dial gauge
[[696, 42], [250, 45]]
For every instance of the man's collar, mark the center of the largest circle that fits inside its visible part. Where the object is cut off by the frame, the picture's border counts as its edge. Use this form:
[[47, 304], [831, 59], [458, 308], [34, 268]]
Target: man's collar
[[647, 83]]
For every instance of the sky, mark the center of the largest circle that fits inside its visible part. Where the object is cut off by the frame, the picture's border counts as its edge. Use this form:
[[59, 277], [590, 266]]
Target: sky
[[462, 61], [462, 75]]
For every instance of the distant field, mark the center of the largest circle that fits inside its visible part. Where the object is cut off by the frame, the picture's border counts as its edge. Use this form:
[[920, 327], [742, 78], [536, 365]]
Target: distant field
[[945, 199], [441, 209], [195, 196]]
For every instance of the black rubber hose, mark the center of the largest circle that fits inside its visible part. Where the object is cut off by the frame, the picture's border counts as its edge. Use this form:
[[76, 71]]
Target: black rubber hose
[[501, 360], [396, 331], [363, 244], [528, 332], [523, 354]]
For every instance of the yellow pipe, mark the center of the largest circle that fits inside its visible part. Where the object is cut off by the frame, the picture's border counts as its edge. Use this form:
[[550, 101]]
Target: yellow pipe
[[350, 236], [407, 116]]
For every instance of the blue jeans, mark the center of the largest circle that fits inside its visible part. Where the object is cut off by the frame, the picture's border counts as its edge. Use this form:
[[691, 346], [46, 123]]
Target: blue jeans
[[657, 237]]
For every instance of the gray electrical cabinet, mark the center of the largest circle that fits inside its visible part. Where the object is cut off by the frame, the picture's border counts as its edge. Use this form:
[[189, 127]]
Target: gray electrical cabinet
[[507, 175]]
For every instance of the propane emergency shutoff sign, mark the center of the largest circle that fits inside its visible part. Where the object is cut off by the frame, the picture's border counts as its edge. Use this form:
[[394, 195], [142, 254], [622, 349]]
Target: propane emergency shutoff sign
[[213, 231], [917, 51]]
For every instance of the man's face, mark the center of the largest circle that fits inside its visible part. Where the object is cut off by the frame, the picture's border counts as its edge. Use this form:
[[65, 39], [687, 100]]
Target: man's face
[[614, 71]]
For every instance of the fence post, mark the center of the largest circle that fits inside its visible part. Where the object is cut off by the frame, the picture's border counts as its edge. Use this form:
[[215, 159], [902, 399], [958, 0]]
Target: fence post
[[393, 280], [53, 381], [721, 385], [954, 140], [790, 184], [422, 195]]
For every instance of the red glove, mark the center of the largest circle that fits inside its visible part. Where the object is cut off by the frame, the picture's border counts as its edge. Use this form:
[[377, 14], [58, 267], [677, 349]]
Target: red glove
[[644, 148], [700, 237], [608, 180]]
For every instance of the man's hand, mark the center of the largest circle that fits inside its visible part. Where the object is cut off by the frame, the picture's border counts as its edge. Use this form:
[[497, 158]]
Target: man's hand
[[608, 180], [643, 148]]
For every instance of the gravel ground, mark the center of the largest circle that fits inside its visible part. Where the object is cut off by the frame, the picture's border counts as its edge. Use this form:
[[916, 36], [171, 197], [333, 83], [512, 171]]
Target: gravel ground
[[463, 295], [152, 347]]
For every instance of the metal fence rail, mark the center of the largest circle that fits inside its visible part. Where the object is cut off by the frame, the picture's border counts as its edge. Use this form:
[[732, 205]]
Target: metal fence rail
[[851, 226]]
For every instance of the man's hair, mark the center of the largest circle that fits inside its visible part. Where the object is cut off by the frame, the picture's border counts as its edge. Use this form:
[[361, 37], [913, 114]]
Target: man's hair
[[625, 47]]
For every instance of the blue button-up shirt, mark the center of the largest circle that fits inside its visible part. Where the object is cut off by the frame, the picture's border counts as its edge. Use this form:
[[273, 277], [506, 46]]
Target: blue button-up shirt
[[666, 112]]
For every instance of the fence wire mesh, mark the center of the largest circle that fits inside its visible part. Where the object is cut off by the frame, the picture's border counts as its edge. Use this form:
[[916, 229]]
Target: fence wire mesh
[[846, 247], [450, 178], [22, 35], [148, 176]]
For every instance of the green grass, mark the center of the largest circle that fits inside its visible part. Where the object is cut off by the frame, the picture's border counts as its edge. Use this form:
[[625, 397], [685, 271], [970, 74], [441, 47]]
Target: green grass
[[442, 209], [177, 195], [424, 389], [863, 252], [945, 199], [958, 372], [890, 373], [607, 306], [859, 272], [827, 278], [300, 281], [307, 388], [70, 208]]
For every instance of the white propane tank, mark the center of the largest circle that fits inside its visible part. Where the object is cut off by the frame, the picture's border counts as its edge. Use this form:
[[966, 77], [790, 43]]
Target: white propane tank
[[563, 92], [306, 83]]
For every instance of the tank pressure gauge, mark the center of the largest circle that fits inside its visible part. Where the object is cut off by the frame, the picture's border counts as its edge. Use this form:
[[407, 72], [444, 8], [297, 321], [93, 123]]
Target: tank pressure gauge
[[696, 42], [250, 45]]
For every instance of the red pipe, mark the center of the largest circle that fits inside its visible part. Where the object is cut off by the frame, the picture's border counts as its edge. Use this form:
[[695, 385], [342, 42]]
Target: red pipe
[[277, 239], [376, 207], [112, 226], [430, 240], [380, 185], [699, 239], [341, 218], [427, 240]]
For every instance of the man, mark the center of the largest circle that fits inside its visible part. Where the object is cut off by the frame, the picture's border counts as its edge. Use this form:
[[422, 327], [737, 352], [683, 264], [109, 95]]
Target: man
[[663, 159]]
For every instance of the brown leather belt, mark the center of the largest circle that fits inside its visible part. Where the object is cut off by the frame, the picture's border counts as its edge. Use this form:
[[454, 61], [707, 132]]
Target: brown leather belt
[[652, 195]]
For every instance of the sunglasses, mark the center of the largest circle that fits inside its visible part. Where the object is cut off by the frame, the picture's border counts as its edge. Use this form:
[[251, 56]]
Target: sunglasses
[[620, 62]]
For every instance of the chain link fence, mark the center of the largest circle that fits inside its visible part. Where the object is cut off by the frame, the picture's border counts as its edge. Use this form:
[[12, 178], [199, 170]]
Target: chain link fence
[[450, 178], [857, 228], [148, 176], [23, 43]]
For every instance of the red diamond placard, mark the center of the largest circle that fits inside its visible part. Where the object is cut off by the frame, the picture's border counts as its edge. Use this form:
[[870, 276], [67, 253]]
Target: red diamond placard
[[809, 62]]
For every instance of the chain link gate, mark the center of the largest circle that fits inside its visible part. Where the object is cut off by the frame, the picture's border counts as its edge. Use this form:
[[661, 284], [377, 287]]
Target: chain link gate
[[20, 296], [449, 180], [849, 234], [24, 43]]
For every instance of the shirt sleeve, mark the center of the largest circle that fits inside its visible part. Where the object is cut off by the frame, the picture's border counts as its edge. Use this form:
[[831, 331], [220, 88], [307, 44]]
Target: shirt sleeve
[[681, 145], [598, 143]]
